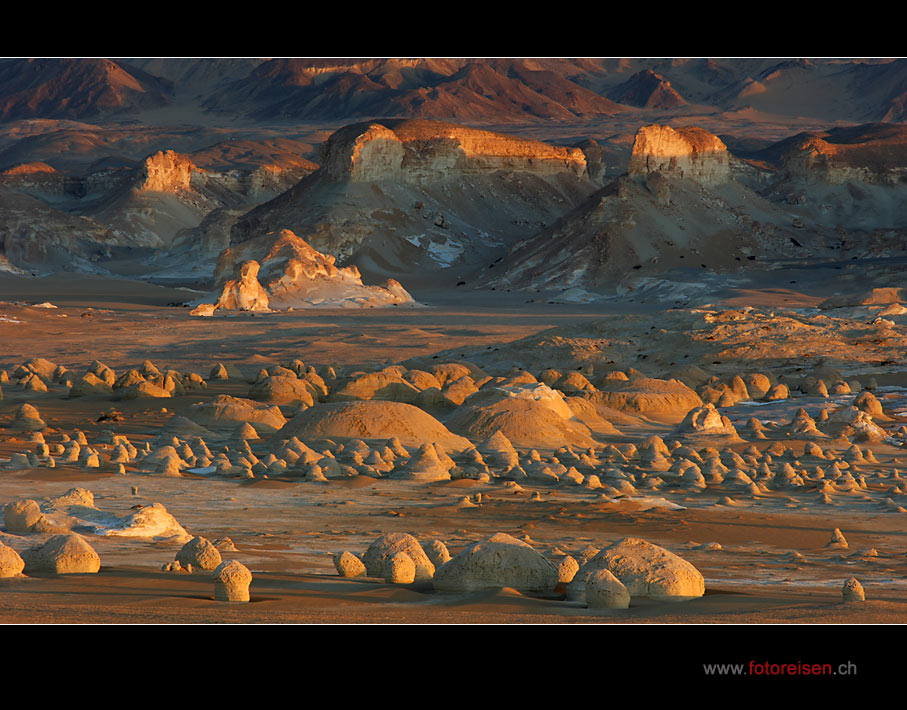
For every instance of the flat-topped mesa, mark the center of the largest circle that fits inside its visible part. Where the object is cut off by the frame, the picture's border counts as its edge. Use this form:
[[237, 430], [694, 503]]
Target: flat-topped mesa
[[688, 152], [165, 171], [421, 151], [816, 160], [870, 153]]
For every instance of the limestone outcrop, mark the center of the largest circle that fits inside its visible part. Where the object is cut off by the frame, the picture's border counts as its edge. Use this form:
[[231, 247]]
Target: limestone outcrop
[[11, 563], [368, 420], [688, 152], [500, 561], [423, 151], [200, 553], [416, 195], [281, 270], [707, 422], [377, 558], [243, 292], [165, 171], [63, 554], [870, 153], [645, 570], [225, 411], [231, 582]]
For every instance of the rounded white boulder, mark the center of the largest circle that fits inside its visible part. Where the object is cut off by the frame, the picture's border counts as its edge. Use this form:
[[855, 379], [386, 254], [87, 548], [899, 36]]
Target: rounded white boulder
[[645, 569], [501, 561]]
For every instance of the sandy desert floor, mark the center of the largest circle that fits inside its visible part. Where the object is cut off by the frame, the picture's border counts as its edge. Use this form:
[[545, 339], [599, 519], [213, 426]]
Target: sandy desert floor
[[765, 558]]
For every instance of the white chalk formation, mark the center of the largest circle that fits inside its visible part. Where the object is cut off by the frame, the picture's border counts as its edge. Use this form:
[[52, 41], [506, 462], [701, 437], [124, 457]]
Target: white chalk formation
[[232, 580], [500, 561]]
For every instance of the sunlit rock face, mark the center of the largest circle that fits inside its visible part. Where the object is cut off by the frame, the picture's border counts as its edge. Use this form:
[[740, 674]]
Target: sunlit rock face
[[281, 271], [244, 292], [869, 153], [419, 151], [689, 152], [165, 171]]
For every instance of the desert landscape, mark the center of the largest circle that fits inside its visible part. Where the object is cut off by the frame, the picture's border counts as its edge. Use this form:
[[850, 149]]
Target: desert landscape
[[453, 341]]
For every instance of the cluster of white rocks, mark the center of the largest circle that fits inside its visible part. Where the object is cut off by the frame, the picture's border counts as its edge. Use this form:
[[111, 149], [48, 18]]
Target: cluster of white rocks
[[63, 551], [232, 579], [39, 376], [253, 437], [608, 578]]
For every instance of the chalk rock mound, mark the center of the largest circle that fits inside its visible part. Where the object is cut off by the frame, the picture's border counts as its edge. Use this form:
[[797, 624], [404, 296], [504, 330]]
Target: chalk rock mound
[[870, 404], [281, 389], [530, 416], [373, 420], [225, 411], [200, 553], [645, 569], [605, 591], [22, 517], [348, 565], [585, 412], [45, 369], [378, 556], [231, 582], [425, 465], [289, 273], [27, 418], [63, 554], [706, 422], [852, 591], [851, 421], [387, 384], [153, 521], [243, 292], [11, 563], [500, 561], [662, 400]]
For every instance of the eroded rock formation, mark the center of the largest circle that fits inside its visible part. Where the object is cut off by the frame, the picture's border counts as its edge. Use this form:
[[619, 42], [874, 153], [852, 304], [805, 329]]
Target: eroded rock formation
[[283, 271], [416, 151], [687, 152]]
